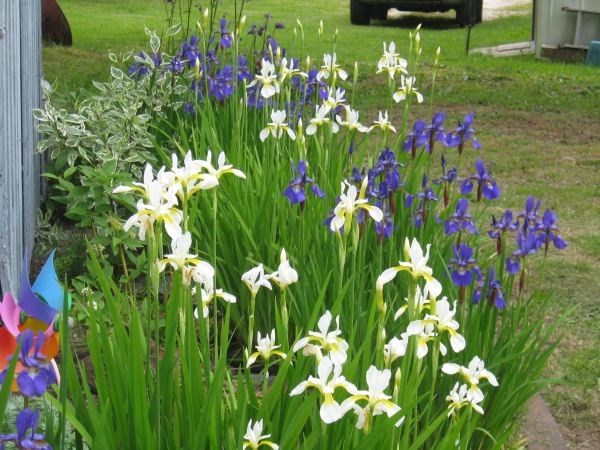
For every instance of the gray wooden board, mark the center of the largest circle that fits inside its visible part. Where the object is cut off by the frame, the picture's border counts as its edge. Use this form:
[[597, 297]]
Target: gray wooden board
[[20, 67]]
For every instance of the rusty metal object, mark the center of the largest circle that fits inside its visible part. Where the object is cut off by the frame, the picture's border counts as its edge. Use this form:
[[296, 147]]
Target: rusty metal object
[[55, 27]]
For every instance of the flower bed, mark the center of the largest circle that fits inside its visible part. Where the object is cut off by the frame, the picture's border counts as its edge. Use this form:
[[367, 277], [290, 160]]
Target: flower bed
[[380, 318]]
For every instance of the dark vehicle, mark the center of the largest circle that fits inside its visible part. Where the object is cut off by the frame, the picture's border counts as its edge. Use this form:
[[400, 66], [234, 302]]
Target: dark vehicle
[[468, 12]]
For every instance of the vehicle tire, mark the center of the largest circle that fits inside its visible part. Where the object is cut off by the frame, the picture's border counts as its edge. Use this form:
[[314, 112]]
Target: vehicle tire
[[464, 14], [360, 13], [379, 12], [478, 11]]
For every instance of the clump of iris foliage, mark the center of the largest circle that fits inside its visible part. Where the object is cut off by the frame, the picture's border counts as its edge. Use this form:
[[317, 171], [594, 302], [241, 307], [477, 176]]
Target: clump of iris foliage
[[287, 272]]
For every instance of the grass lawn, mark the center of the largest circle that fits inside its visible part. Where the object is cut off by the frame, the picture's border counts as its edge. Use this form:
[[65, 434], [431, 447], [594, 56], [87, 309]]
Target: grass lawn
[[538, 122]]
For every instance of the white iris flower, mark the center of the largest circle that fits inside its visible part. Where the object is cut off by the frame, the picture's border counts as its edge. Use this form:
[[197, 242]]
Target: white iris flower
[[277, 126], [256, 278], [407, 88], [330, 67], [328, 341], [268, 79], [378, 402], [350, 201], [416, 264], [391, 62], [472, 374], [328, 380], [285, 273], [254, 438], [265, 348], [443, 321]]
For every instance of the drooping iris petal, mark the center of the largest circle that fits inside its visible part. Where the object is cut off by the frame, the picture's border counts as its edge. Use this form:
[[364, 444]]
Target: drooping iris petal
[[462, 278]]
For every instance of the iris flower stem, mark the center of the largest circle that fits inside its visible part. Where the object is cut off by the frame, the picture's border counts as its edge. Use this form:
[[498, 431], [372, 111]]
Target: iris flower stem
[[355, 238], [149, 305], [124, 264], [265, 379], [412, 292], [284, 320], [184, 207], [433, 76], [214, 263], [158, 243], [416, 394], [391, 88], [380, 328], [434, 371], [251, 321], [402, 135], [153, 311], [341, 260]]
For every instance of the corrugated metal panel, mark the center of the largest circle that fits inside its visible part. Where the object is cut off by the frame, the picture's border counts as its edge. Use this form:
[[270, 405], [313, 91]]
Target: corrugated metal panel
[[20, 49], [558, 24], [31, 58]]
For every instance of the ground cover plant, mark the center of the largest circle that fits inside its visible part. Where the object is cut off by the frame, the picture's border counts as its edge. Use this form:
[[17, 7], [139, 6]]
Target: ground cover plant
[[329, 187]]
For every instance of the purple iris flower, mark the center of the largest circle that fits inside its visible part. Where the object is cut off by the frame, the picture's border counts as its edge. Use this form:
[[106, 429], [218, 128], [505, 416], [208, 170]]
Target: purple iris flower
[[307, 87], [188, 108], [384, 228], [388, 166], [254, 100], [447, 178], [176, 64], [243, 69], [26, 420], [417, 138], [279, 26], [486, 185], [222, 86], [548, 232], [504, 224], [425, 197], [462, 265], [190, 51], [462, 134], [272, 46], [198, 87], [501, 226], [351, 149], [226, 35], [531, 216], [527, 245], [211, 59], [357, 175], [296, 190], [460, 220], [495, 293], [479, 285], [435, 131], [37, 373], [139, 69]]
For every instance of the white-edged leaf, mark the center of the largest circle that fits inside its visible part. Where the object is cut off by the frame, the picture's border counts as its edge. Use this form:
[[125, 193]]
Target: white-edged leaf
[[154, 43], [116, 73], [174, 30]]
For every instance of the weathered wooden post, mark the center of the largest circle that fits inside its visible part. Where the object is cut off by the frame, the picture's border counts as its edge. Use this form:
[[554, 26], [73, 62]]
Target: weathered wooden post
[[20, 71]]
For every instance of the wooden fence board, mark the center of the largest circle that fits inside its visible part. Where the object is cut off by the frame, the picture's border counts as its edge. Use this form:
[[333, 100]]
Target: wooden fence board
[[20, 53]]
